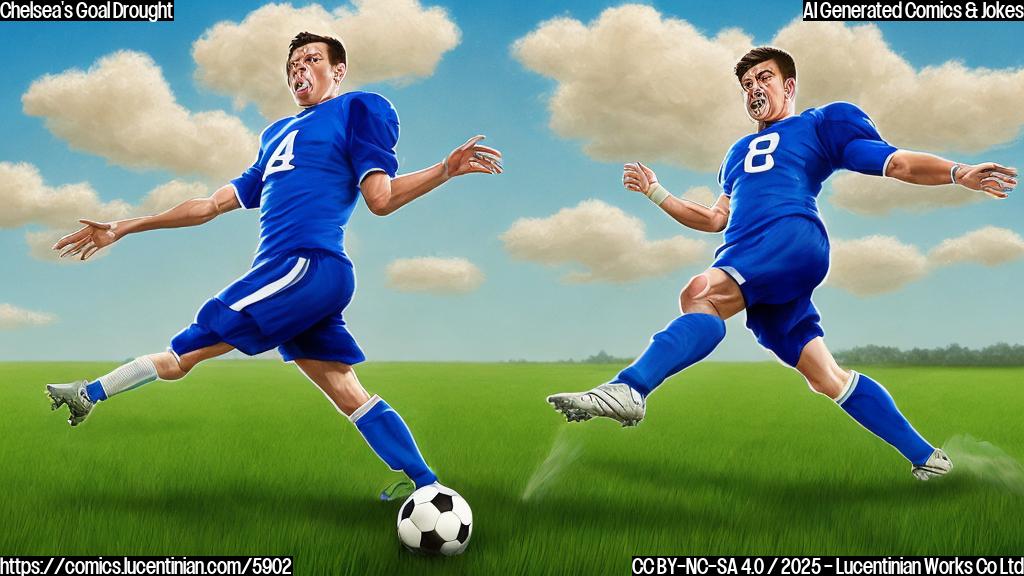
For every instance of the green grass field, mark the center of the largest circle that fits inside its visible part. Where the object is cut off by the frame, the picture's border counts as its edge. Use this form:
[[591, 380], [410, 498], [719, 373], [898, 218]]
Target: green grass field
[[246, 457]]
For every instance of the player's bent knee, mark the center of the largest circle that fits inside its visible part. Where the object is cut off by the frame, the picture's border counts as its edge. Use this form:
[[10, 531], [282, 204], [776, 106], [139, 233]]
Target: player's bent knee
[[695, 293], [175, 371], [166, 364], [825, 386], [350, 400]]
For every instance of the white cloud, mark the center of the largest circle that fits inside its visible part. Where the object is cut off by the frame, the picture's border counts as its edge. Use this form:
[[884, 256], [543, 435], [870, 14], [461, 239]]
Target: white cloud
[[436, 275], [386, 40], [990, 246], [701, 195], [879, 264], [873, 196], [13, 317], [634, 84], [609, 244], [123, 110], [28, 201], [40, 246], [945, 107], [169, 195], [875, 265]]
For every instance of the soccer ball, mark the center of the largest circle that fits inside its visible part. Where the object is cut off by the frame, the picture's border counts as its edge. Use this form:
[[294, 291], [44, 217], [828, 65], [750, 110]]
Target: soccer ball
[[435, 520]]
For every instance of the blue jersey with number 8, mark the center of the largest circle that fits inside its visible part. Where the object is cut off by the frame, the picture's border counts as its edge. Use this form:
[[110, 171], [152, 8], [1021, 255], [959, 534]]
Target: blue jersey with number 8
[[778, 171]]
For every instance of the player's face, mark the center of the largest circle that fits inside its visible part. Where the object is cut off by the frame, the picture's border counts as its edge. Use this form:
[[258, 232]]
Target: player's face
[[311, 78], [766, 94]]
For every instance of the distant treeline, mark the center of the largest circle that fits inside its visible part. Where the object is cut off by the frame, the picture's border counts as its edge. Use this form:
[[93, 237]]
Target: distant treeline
[[601, 357], [1001, 354]]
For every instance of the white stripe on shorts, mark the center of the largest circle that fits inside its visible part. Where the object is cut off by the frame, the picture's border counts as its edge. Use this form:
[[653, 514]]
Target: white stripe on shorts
[[274, 287]]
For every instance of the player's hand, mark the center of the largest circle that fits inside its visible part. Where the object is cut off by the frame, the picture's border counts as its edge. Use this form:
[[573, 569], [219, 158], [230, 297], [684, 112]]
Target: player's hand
[[993, 179], [89, 240], [638, 178], [472, 157]]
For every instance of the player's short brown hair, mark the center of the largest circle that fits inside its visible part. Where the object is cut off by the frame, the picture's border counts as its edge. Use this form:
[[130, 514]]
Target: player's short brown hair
[[763, 54], [335, 49]]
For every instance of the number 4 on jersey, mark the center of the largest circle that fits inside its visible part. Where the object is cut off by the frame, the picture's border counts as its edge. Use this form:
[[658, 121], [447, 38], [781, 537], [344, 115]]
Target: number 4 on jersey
[[755, 150], [281, 159]]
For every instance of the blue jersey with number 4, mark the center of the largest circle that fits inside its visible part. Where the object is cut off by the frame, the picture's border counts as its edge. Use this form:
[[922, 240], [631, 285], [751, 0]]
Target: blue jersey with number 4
[[305, 180], [778, 171]]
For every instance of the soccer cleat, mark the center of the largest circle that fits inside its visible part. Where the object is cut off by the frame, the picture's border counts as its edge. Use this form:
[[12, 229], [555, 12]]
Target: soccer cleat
[[74, 396], [399, 490], [612, 400], [938, 464]]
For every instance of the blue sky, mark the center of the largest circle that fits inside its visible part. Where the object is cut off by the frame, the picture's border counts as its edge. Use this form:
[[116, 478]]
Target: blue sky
[[149, 286]]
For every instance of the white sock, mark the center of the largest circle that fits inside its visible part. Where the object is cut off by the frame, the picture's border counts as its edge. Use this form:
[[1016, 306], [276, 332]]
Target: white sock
[[131, 375]]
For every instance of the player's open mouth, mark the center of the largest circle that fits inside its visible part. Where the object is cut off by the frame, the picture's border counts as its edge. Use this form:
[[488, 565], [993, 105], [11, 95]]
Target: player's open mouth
[[301, 86], [757, 105]]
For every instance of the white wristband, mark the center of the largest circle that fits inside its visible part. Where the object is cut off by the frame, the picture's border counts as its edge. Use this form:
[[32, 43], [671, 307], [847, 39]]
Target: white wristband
[[952, 172], [657, 193]]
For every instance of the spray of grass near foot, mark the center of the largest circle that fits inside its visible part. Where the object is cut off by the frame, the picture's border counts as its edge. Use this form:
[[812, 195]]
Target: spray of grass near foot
[[565, 450], [986, 462]]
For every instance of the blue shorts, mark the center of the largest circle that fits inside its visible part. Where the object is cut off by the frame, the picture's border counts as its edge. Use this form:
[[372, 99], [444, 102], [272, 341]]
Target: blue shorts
[[291, 301], [777, 270]]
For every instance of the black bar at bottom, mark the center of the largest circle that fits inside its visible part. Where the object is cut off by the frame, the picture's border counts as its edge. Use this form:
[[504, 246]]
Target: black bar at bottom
[[814, 565]]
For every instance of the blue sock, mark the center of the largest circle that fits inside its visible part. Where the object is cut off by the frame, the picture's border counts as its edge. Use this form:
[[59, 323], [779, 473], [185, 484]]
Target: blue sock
[[873, 408], [95, 391], [389, 437], [684, 342]]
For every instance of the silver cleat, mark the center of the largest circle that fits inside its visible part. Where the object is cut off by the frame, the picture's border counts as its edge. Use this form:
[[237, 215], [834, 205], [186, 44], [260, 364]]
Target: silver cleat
[[938, 464], [612, 400], [74, 396]]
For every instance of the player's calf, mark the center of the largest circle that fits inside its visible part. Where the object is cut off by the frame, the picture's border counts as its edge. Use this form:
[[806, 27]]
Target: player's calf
[[390, 438], [871, 406], [867, 402]]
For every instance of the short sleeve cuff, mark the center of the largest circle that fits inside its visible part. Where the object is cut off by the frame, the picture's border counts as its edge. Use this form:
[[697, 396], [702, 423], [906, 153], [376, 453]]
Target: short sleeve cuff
[[885, 165], [870, 157], [238, 195], [371, 160], [371, 171]]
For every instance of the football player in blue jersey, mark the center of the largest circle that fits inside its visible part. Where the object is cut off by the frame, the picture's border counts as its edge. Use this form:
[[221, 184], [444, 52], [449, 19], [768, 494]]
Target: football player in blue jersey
[[306, 180], [776, 251]]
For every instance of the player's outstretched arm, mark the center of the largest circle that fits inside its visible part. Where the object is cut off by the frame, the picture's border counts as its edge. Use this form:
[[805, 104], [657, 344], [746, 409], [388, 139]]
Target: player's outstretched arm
[[639, 178], [95, 236], [384, 195], [919, 168]]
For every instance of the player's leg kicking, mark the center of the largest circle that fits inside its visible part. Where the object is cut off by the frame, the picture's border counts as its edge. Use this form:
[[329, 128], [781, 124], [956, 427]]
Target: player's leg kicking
[[706, 301], [867, 402], [773, 277], [380, 425], [301, 316], [82, 396]]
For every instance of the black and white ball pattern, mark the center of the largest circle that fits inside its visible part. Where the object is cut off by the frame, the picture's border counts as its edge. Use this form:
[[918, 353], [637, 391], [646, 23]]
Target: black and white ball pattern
[[435, 520]]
